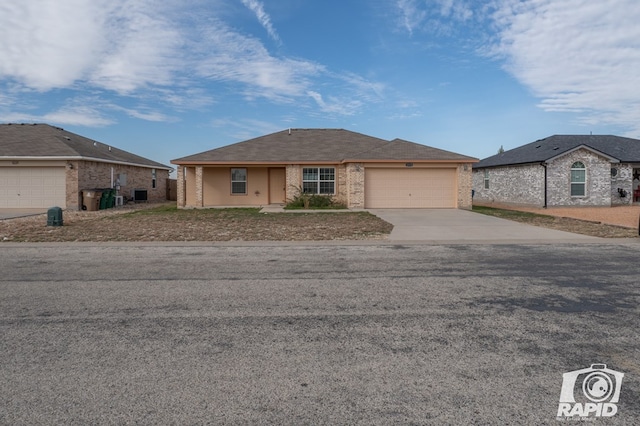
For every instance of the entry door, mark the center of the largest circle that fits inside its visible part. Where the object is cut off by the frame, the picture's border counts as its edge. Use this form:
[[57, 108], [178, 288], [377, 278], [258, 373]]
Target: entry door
[[277, 186]]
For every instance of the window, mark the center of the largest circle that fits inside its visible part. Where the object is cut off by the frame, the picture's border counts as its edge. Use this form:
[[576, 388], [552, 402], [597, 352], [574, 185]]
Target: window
[[486, 179], [578, 179], [614, 172], [153, 178], [318, 180], [239, 181]]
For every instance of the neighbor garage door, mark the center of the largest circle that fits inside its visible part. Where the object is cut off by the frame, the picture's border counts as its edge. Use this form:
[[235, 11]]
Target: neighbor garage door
[[32, 187], [410, 188]]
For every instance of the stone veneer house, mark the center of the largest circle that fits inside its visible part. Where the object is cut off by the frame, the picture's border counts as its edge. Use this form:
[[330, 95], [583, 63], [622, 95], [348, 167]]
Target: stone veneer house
[[562, 170], [43, 166], [359, 170]]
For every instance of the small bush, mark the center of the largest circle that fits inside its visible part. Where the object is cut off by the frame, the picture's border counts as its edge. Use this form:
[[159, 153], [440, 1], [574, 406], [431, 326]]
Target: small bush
[[313, 201]]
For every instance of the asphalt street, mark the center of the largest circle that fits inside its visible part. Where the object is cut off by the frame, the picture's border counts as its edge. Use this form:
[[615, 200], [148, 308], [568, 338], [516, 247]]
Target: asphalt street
[[312, 333]]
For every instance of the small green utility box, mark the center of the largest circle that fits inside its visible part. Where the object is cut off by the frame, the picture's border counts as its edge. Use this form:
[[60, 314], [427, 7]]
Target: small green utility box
[[54, 216]]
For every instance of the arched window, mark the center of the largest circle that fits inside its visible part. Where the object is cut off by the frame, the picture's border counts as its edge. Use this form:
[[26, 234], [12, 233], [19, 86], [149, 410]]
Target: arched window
[[578, 179]]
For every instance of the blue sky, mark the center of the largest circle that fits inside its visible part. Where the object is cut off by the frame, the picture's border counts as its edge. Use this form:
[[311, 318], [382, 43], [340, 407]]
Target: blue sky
[[173, 78]]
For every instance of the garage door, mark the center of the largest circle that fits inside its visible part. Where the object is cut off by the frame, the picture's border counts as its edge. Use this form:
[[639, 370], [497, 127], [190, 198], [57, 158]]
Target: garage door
[[410, 188], [32, 187]]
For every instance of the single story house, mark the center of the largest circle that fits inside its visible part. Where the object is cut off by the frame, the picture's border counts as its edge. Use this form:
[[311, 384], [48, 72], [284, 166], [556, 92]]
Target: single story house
[[562, 170], [43, 166], [358, 170]]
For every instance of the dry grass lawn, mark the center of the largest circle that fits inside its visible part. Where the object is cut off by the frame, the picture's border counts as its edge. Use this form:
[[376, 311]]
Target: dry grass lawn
[[165, 222]]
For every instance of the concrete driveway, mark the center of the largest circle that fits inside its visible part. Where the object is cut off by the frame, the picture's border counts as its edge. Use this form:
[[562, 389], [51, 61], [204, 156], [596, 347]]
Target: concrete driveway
[[454, 225], [13, 213]]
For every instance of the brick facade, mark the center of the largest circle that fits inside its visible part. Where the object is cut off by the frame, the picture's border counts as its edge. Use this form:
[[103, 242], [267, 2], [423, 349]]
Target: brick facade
[[465, 185], [294, 181], [355, 185], [82, 175], [510, 184], [525, 184]]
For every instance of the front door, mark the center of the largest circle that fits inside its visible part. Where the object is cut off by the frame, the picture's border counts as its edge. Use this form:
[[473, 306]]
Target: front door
[[277, 186]]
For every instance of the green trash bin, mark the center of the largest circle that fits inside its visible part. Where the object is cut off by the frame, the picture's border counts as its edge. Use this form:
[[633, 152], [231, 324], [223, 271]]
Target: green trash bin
[[112, 198], [104, 201], [102, 204]]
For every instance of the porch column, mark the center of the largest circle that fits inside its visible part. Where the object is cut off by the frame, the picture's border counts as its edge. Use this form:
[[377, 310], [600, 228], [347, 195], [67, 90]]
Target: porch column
[[180, 193], [294, 181], [199, 197]]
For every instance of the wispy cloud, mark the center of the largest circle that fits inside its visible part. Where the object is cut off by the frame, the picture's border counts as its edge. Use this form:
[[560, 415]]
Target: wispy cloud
[[246, 128], [576, 55], [236, 58], [185, 54], [118, 45], [257, 7], [334, 105], [436, 16]]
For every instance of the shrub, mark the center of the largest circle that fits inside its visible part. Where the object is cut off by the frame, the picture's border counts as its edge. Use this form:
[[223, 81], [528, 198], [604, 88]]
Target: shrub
[[313, 201]]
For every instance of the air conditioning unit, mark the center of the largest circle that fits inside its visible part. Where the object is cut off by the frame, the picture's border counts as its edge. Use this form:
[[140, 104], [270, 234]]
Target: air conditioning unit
[[139, 194]]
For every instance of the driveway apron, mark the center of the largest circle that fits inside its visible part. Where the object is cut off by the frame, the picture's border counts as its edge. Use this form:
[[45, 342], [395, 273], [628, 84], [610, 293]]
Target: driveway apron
[[14, 213], [454, 225]]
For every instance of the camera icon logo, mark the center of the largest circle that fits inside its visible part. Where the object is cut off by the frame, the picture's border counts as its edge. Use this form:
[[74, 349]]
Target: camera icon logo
[[590, 391]]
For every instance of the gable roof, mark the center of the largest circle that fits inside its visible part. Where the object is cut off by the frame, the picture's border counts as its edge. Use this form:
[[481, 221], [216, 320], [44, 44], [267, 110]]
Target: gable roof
[[321, 146], [401, 150], [45, 142], [625, 150]]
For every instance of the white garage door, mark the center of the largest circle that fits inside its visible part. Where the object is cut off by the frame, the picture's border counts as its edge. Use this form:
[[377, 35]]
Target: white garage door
[[410, 188], [32, 187]]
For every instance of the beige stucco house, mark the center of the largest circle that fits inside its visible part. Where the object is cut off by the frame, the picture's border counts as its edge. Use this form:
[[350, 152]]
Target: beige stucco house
[[358, 170], [42, 166]]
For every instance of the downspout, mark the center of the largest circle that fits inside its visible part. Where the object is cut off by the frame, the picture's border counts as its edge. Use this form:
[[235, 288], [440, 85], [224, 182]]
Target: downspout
[[545, 184]]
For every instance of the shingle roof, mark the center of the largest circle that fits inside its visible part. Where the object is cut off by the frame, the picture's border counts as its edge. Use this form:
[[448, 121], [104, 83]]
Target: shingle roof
[[45, 141], [319, 145], [402, 150], [625, 150]]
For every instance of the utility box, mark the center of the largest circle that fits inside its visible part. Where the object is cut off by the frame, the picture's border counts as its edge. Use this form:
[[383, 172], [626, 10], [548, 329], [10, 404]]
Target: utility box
[[54, 216]]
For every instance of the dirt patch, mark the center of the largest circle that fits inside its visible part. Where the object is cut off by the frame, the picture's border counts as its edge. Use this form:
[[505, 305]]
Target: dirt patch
[[604, 222], [149, 222], [626, 216]]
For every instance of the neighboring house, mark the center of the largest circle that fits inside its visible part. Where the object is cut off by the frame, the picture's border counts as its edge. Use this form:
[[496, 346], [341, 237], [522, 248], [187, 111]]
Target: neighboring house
[[358, 170], [43, 166], [562, 170]]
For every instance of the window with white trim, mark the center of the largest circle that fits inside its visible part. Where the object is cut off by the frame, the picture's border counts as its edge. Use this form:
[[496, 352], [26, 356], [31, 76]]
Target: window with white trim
[[318, 180], [238, 181], [153, 178], [486, 179], [578, 179]]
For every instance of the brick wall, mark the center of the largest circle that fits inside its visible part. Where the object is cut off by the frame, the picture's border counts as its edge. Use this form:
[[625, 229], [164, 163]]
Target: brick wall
[[598, 180], [294, 181], [355, 185], [91, 175], [623, 180], [510, 184], [525, 184], [181, 197], [465, 185]]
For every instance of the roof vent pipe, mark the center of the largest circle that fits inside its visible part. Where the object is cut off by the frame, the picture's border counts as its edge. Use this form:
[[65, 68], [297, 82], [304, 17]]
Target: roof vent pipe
[[289, 130]]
